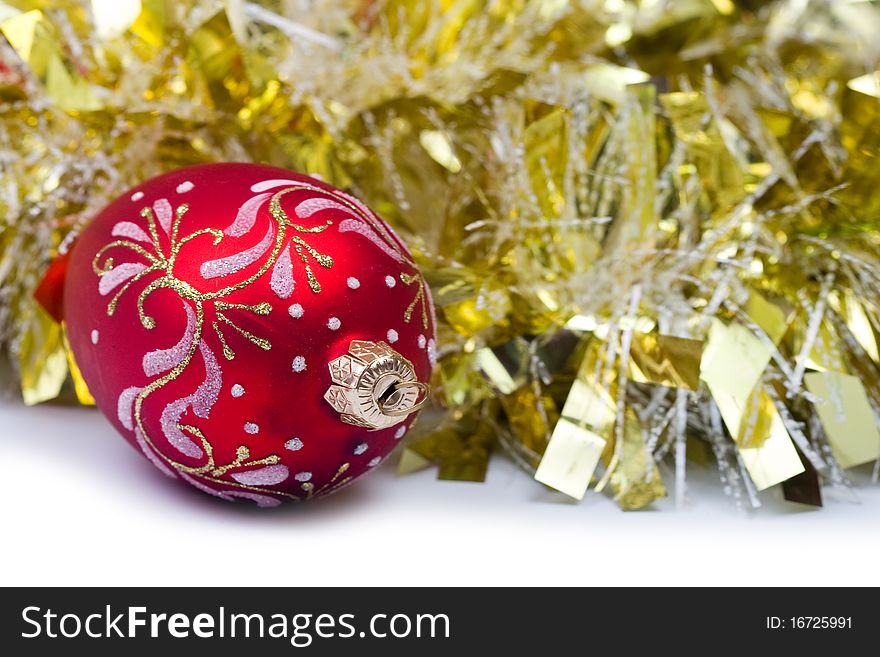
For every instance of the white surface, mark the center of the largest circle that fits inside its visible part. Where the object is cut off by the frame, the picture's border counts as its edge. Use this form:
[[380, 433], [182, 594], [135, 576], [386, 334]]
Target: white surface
[[79, 506]]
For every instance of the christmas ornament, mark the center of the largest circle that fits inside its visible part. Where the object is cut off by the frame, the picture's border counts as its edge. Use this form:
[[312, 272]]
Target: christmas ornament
[[651, 227], [256, 333]]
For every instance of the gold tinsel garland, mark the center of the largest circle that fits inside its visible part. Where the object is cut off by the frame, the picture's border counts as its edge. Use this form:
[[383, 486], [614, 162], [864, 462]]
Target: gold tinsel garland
[[650, 227]]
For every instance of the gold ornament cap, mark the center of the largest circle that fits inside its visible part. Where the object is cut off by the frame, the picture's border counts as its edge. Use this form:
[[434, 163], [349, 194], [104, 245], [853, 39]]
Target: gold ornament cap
[[374, 386]]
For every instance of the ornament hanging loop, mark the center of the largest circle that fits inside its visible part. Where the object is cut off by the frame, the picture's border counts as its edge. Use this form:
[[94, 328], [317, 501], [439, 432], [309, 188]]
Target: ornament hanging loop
[[393, 401]]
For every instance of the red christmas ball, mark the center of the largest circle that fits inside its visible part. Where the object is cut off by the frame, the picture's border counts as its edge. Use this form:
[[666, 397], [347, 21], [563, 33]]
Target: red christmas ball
[[254, 332]]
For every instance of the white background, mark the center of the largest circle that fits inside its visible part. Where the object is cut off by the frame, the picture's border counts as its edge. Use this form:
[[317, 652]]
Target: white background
[[81, 507]]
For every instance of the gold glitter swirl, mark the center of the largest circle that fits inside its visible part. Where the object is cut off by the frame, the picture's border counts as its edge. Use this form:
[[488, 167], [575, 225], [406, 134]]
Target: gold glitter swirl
[[300, 244], [409, 279]]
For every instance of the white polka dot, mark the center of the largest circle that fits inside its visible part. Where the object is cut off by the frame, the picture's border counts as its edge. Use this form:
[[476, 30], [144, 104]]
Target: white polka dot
[[360, 449], [333, 323], [296, 311], [392, 336], [389, 281], [303, 476], [294, 444], [94, 336], [422, 341], [400, 431], [432, 352], [184, 187], [375, 461], [137, 196], [237, 390], [251, 428], [353, 283], [299, 364]]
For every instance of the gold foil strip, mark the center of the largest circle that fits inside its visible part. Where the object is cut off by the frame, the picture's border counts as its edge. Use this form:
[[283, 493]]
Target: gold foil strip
[[530, 417], [609, 82], [35, 40], [462, 451], [576, 445], [636, 480], [411, 461], [544, 141], [859, 324], [666, 360], [769, 316], [720, 172], [504, 366], [42, 361], [733, 363], [826, 353], [769, 456], [847, 417], [80, 387], [570, 459]]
